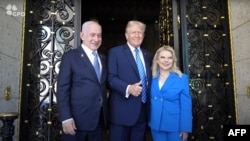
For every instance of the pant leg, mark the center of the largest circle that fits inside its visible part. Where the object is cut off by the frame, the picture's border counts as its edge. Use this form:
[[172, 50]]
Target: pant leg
[[165, 136], [138, 131], [118, 132]]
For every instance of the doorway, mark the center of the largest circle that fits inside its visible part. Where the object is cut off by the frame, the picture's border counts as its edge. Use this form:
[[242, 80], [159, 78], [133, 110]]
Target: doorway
[[113, 15]]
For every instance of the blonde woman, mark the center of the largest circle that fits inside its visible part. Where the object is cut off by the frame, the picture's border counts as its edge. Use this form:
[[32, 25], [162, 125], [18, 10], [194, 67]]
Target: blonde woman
[[170, 112]]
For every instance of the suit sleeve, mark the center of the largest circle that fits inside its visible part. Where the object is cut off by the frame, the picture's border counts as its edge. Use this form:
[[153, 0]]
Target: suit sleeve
[[63, 88], [186, 106], [114, 67]]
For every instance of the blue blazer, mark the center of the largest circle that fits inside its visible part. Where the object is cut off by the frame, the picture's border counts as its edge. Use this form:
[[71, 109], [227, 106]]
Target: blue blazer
[[122, 70], [79, 93], [171, 106]]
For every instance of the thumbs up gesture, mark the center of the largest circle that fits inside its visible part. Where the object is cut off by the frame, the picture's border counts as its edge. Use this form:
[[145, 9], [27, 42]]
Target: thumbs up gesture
[[135, 89]]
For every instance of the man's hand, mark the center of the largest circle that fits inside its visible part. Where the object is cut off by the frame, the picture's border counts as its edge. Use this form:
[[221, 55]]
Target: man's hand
[[135, 89], [69, 127]]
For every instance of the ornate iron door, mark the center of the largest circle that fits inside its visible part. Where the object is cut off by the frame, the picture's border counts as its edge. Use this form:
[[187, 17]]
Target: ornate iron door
[[207, 58], [49, 32]]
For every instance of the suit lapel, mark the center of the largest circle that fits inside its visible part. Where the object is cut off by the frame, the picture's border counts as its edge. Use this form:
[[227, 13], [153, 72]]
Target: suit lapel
[[84, 57], [169, 82], [131, 58], [147, 64], [87, 61], [155, 85]]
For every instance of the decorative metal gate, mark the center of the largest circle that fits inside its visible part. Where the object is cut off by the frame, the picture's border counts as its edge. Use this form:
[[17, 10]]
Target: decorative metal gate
[[207, 52], [49, 32]]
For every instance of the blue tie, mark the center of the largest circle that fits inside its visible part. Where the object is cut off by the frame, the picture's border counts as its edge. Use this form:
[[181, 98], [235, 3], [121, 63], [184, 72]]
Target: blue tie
[[96, 65], [142, 75]]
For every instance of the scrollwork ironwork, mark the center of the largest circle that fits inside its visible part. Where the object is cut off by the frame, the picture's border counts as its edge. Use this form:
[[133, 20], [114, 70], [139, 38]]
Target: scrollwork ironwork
[[52, 32], [207, 51]]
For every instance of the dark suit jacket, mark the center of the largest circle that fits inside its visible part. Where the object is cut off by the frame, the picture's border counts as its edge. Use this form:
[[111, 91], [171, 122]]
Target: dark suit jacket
[[122, 70], [79, 94]]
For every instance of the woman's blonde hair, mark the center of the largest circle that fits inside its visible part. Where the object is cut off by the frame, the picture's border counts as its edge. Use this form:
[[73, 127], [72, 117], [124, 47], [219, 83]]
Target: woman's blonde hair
[[155, 66]]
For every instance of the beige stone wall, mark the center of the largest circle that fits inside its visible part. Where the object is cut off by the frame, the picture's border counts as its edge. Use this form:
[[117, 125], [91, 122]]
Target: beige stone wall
[[10, 54], [240, 24]]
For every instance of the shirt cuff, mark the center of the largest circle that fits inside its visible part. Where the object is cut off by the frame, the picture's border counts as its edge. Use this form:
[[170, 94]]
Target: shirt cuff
[[67, 120], [127, 94]]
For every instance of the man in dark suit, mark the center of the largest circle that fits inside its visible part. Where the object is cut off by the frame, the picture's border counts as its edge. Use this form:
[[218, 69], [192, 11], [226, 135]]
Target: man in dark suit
[[128, 108], [81, 91]]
